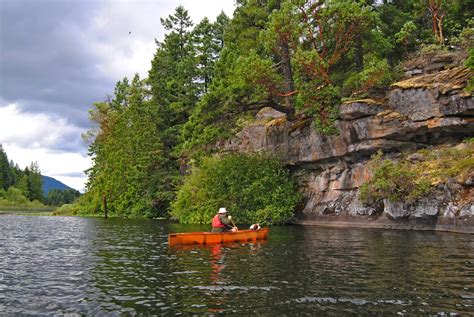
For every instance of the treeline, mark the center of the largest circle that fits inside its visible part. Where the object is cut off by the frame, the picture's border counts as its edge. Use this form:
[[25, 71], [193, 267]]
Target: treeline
[[207, 80], [17, 185], [25, 187], [59, 197]]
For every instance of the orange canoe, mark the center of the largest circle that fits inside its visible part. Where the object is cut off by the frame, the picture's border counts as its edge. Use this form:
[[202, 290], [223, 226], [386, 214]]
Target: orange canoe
[[216, 238]]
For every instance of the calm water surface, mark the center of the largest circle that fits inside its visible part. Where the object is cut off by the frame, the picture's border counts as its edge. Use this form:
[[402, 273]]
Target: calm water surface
[[61, 265]]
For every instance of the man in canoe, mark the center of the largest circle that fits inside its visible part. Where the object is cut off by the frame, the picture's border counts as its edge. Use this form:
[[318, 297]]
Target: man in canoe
[[222, 222]]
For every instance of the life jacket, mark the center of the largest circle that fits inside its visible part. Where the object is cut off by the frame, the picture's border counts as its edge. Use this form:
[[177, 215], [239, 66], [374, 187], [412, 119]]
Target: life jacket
[[216, 222]]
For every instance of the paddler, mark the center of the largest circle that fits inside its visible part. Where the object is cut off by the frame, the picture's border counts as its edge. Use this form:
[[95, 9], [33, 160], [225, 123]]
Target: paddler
[[222, 222]]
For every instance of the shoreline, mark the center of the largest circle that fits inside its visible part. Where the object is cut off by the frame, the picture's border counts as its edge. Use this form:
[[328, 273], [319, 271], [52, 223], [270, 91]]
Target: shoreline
[[463, 225]]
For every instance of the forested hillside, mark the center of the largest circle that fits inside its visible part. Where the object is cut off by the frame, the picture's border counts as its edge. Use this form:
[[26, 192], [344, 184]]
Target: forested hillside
[[208, 80], [17, 186], [25, 187]]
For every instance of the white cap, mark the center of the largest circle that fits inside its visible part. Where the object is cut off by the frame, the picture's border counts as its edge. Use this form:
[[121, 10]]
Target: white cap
[[222, 210]]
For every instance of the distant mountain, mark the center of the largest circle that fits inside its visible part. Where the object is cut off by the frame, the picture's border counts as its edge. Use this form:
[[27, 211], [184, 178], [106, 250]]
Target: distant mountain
[[50, 183]]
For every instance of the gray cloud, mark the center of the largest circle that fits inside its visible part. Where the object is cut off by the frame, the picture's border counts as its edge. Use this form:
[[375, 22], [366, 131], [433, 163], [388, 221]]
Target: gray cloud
[[45, 66], [58, 57]]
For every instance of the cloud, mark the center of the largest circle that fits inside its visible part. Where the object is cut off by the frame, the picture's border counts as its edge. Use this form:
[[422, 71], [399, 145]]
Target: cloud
[[59, 57], [30, 130], [45, 62], [50, 141], [65, 167]]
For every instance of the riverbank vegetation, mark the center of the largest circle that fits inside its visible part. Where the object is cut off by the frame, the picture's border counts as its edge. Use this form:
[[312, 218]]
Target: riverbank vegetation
[[19, 188], [255, 188], [300, 57], [414, 175], [23, 189]]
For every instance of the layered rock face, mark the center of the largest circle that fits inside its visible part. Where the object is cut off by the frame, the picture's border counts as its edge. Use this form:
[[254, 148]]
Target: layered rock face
[[417, 113]]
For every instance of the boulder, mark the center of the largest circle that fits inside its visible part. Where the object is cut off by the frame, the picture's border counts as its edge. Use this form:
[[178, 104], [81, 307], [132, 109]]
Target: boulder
[[359, 109], [269, 113], [426, 207]]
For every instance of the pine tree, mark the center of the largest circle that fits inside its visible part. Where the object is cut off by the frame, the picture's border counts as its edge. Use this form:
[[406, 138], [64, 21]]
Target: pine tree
[[35, 182], [6, 173], [207, 42]]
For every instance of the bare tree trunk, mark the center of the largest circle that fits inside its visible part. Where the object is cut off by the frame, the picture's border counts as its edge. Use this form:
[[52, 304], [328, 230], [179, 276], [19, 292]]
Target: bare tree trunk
[[437, 14], [288, 75], [104, 201], [440, 29]]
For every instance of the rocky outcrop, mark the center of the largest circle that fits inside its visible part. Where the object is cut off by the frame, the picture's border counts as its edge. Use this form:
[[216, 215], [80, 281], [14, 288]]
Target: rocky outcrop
[[433, 62], [417, 113]]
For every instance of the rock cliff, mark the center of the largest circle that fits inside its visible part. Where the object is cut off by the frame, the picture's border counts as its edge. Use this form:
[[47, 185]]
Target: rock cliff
[[420, 112]]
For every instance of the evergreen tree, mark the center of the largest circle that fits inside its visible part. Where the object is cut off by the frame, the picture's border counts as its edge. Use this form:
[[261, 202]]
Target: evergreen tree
[[22, 184], [57, 197], [35, 182], [129, 170], [171, 77], [208, 40], [6, 174]]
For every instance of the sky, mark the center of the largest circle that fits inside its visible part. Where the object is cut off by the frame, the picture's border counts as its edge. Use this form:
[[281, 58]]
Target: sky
[[58, 57]]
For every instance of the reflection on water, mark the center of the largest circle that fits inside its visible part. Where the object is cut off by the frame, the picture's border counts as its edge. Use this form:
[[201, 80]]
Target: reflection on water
[[57, 265]]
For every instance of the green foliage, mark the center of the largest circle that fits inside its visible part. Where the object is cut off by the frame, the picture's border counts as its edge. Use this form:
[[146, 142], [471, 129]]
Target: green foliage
[[34, 182], [392, 181], [68, 210], [469, 140], [406, 36], [467, 37], [208, 41], [6, 172], [28, 181], [57, 197], [323, 102], [432, 49], [13, 199], [458, 18], [376, 74], [84, 205], [16, 196], [449, 162], [255, 188], [129, 169], [409, 181]]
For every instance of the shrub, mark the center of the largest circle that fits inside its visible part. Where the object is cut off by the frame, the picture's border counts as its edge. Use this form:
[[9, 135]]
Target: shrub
[[428, 50], [469, 140], [376, 74], [255, 188], [16, 196], [67, 210], [467, 38], [407, 35], [393, 181]]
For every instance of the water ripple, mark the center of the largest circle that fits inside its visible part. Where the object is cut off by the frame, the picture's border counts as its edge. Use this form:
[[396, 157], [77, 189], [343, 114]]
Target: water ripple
[[79, 266]]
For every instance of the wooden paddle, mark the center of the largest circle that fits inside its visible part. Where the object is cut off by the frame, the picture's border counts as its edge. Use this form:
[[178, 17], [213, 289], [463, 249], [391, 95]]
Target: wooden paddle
[[233, 223]]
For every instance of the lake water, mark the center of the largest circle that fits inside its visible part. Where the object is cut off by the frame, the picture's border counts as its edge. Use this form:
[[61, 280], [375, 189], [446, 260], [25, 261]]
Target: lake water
[[84, 266]]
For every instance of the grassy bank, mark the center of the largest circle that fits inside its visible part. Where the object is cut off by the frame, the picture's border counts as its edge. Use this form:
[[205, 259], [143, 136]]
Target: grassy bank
[[27, 211]]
